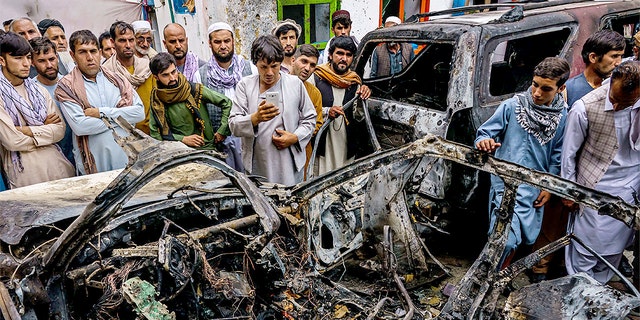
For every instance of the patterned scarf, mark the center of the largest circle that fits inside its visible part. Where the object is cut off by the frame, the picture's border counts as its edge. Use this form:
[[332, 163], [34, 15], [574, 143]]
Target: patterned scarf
[[181, 93], [219, 78], [140, 74], [539, 120], [339, 81], [190, 66], [34, 113], [71, 89]]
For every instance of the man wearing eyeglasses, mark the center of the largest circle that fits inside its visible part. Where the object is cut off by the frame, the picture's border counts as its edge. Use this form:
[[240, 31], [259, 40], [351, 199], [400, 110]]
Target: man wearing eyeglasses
[[144, 39]]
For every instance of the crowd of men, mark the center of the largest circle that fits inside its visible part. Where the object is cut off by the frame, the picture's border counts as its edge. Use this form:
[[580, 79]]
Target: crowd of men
[[59, 97], [264, 113], [585, 129]]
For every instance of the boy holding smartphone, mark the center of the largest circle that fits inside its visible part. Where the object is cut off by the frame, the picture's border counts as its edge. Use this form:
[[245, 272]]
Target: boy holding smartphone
[[273, 116]]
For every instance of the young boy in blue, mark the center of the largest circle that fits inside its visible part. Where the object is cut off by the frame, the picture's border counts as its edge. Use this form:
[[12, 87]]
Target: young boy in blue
[[527, 129]]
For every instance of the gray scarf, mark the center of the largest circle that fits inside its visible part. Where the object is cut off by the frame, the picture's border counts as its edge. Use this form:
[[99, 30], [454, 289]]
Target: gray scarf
[[539, 120]]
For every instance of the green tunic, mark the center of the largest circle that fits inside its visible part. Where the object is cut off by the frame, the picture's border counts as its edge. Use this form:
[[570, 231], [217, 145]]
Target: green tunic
[[182, 122]]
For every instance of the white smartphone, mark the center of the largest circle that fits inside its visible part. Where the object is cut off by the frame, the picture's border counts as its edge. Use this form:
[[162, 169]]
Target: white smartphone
[[273, 98]]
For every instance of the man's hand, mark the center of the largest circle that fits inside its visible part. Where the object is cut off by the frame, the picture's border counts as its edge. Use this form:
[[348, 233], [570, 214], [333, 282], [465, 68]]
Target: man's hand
[[26, 130], [543, 197], [217, 138], [283, 139], [52, 118], [266, 111], [364, 92], [570, 204], [335, 111], [193, 140], [488, 145], [92, 112]]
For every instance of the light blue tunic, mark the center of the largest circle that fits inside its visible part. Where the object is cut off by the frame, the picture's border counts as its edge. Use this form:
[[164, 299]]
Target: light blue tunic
[[103, 95], [522, 148]]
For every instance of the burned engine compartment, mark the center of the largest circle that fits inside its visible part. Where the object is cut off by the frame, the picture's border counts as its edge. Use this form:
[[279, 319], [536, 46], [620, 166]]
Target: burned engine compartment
[[343, 245]]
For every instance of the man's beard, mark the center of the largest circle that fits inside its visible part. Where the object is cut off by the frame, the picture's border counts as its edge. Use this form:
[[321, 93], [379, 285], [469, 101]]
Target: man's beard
[[168, 86], [224, 59], [338, 71], [141, 51], [51, 77], [289, 54], [179, 54], [601, 74]]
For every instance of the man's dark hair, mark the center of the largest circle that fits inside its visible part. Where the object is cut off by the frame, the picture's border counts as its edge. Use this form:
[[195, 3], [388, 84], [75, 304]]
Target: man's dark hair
[[160, 62], [343, 42], [14, 45], [103, 36], [602, 42], [42, 45], [82, 37], [307, 50], [118, 28], [7, 22], [629, 73], [267, 47], [553, 68], [286, 28], [45, 24]]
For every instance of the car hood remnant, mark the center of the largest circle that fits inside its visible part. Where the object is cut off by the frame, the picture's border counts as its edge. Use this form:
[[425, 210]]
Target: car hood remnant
[[576, 297], [346, 244]]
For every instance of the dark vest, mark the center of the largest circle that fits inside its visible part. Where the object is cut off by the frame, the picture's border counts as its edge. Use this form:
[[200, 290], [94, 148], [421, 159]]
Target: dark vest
[[384, 63], [357, 141]]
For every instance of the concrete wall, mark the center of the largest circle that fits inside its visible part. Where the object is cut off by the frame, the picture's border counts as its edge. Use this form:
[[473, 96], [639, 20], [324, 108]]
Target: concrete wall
[[365, 15], [249, 18]]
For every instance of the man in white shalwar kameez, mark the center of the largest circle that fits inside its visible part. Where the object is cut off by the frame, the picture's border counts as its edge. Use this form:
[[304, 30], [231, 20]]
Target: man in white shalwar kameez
[[274, 135], [602, 150]]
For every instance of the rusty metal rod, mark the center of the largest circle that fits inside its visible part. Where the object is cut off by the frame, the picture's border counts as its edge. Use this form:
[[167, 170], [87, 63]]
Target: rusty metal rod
[[235, 224], [379, 306]]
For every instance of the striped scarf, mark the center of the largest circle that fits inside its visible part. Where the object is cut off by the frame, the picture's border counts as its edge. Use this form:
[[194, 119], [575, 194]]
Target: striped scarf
[[219, 78], [190, 66], [34, 113]]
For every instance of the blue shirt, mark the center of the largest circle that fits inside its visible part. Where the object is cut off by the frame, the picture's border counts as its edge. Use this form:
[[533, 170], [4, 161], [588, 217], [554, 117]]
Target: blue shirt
[[523, 148], [577, 87]]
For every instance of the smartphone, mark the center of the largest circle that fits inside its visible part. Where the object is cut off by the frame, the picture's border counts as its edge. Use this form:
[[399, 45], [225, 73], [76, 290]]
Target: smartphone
[[273, 98]]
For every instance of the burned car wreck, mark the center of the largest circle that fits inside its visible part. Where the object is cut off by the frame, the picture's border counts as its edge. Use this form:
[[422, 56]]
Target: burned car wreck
[[222, 245]]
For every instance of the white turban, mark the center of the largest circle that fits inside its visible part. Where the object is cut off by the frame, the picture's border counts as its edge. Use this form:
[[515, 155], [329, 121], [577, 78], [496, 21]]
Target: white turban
[[219, 26], [140, 25], [393, 19]]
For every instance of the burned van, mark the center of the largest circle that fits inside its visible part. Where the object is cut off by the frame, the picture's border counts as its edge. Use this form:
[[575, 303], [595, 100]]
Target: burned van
[[464, 62]]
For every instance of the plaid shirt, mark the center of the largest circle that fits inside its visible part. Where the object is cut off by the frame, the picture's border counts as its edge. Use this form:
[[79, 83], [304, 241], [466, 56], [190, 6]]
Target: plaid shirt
[[601, 143]]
